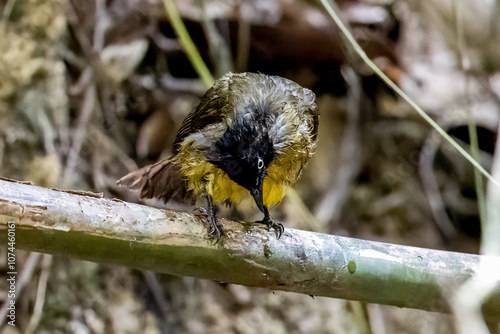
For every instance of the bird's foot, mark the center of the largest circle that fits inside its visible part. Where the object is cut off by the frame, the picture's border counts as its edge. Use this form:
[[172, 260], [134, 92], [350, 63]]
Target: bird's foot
[[214, 227], [278, 227]]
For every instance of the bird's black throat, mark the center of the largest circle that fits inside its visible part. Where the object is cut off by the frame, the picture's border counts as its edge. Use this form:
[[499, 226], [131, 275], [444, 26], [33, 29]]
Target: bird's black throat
[[239, 149]]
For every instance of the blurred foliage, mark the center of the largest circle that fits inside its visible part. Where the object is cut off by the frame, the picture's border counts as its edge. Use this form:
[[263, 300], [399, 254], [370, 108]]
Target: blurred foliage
[[91, 89]]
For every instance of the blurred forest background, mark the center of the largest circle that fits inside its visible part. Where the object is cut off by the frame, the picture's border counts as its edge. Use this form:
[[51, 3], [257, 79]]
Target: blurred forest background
[[90, 90]]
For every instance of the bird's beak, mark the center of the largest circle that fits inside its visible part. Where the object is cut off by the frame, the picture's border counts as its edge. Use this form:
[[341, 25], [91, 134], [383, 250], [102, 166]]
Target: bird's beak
[[258, 196]]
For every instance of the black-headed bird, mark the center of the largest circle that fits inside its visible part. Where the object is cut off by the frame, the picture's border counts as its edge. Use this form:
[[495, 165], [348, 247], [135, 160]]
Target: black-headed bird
[[251, 135]]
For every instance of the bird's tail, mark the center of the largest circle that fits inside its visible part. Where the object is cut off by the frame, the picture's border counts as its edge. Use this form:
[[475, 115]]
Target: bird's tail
[[162, 180]]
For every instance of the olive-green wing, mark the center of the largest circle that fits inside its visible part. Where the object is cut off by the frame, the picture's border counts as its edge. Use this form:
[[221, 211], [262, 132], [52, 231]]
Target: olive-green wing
[[313, 111], [306, 104], [213, 108]]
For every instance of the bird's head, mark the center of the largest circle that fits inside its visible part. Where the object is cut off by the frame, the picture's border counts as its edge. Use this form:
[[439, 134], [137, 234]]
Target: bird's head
[[244, 153]]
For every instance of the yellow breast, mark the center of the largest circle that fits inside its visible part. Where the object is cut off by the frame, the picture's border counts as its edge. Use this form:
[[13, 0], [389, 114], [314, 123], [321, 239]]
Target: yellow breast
[[205, 178]]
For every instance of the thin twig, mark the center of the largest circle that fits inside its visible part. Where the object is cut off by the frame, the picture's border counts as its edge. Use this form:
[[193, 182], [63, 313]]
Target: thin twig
[[158, 295], [7, 10], [220, 53], [84, 80], [464, 62], [107, 148], [102, 23], [329, 7], [86, 46], [468, 302], [79, 132], [349, 156], [194, 86], [431, 188], [40, 294], [188, 44], [164, 43]]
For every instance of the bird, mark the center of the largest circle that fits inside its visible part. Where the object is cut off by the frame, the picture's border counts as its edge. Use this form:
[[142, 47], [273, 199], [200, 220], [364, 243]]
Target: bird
[[250, 136]]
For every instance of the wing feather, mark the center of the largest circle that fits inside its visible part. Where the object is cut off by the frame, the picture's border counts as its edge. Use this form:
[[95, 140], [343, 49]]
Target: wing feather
[[213, 108], [162, 180]]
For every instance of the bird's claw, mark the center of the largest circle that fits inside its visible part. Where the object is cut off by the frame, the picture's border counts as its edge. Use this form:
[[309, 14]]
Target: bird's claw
[[214, 228], [278, 227]]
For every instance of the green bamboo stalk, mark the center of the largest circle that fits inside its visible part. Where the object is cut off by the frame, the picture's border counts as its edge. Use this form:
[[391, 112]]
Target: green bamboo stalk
[[112, 231]]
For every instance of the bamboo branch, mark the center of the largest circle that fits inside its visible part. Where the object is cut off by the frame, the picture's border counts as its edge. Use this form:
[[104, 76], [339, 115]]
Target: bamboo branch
[[99, 229]]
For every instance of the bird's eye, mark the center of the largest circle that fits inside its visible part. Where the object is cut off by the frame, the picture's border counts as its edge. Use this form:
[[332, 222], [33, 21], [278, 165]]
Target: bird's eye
[[260, 163]]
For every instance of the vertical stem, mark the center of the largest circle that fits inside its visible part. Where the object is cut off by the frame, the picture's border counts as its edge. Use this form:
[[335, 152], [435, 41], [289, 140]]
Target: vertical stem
[[188, 44], [329, 6], [490, 244], [474, 145]]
